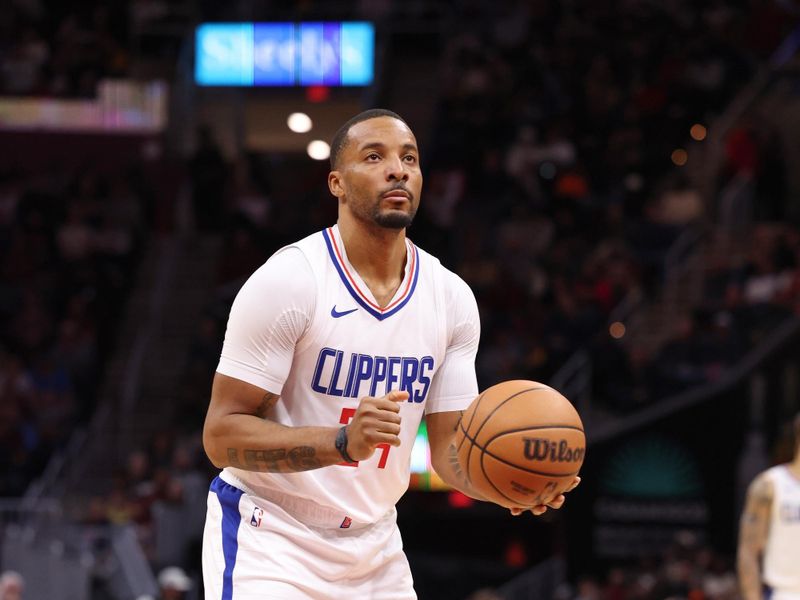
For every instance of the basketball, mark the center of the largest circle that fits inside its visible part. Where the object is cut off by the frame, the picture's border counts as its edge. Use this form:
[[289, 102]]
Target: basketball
[[520, 443]]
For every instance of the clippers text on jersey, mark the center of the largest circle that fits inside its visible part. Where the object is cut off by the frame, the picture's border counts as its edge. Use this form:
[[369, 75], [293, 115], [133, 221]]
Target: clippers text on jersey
[[360, 375]]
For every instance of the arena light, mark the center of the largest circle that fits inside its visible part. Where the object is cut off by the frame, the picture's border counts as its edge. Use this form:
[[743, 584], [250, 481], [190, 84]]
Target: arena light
[[299, 122], [698, 132], [318, 150], [679, 157]]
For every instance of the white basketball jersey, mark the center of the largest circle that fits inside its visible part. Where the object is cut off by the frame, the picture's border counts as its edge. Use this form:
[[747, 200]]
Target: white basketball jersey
[[782, 553], [305, 326]]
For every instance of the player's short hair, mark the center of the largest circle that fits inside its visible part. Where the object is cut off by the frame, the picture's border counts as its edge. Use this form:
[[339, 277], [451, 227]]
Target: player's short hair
[[340, 137]]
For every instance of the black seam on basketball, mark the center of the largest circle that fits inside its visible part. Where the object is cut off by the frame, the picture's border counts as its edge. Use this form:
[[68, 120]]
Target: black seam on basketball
[[507, 431], [486, 477], [510, 464], [469, 452], [471, 439], [471, 418], [486, 418], [465, 467]]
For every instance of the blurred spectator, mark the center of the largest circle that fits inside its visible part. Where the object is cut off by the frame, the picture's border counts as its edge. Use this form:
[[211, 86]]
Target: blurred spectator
[[484, 594], [587, 590], [173, 584], [12, 586]]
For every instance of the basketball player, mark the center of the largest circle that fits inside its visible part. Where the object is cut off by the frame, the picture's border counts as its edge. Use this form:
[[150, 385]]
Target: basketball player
[[769, 537], [335, 349]]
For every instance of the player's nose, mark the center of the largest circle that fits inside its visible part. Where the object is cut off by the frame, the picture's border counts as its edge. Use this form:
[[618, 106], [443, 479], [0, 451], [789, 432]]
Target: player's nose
[[396, 169]]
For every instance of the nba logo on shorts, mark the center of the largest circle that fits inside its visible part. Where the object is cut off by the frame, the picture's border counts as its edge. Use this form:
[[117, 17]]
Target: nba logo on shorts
[[255, 520], [346, 523]]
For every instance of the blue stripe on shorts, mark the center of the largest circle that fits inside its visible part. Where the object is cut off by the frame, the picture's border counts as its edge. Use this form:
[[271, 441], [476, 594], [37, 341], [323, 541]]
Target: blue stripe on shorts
[[229, 500]]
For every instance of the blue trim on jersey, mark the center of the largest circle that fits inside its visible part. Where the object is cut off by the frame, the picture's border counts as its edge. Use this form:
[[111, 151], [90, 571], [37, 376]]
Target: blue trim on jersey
[[229, 500], [357, 297]]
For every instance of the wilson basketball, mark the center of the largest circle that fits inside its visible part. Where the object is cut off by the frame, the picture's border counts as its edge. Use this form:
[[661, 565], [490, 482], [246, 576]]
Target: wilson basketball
[[520, 443]]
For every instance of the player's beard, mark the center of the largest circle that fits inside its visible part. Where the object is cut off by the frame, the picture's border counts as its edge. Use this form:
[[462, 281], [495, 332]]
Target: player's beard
[[386, 218], [373, 211], [393, 219]]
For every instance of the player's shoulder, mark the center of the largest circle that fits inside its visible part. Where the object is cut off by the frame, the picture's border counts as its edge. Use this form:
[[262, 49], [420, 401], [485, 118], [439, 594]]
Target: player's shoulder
[[457, 290], [763, 484], [460, 303], [283, 260], [312, 243], [453, 283], [301, 253], [778, 474], [288, 269]]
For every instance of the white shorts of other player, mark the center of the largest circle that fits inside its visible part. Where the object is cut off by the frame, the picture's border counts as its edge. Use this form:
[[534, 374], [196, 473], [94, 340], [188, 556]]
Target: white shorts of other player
[[773, 594], [253, 549]]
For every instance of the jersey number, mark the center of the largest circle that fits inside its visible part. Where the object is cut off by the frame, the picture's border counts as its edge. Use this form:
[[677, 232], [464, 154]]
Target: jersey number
[[347, 414]]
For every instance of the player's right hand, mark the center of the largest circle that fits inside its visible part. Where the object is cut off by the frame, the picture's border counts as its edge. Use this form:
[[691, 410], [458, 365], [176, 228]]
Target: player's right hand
[[377, 421], [556, 502]]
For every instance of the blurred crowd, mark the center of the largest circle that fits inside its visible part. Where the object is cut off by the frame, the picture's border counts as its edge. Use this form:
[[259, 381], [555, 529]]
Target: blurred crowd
[[692, 572], [574, 124], [687, 570], [57, 49], [160, 491], [69, 246], [745, 298]]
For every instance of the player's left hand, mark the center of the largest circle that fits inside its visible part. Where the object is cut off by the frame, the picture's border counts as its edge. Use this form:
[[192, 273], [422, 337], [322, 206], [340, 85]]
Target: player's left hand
[[555, 503]]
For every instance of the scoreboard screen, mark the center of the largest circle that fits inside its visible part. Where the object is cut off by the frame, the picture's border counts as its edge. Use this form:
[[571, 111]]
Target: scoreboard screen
[[285, 54]]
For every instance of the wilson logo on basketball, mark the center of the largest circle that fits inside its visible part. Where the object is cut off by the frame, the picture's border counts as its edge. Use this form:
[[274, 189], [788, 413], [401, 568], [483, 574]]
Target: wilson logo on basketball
[[544, 449]]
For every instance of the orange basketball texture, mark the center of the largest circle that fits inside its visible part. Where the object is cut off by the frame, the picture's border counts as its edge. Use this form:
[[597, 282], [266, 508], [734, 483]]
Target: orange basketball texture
[[520, 443]]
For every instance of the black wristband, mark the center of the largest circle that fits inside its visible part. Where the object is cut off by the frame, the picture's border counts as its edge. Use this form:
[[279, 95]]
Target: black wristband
[[341, 444]]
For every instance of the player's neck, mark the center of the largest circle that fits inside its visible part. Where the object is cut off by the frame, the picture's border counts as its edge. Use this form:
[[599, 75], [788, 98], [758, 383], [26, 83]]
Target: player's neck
[[377, 253]]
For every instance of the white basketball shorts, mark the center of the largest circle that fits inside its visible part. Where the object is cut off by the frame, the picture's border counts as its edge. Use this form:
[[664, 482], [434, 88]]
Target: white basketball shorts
[[776, 594], [258, 549]]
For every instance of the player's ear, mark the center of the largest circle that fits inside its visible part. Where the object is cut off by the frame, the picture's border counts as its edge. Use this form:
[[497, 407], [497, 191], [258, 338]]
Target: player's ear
[[335, 184]]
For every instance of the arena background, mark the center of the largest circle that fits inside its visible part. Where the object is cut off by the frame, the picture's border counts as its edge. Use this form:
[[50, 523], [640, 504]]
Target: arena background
[[618, 181]]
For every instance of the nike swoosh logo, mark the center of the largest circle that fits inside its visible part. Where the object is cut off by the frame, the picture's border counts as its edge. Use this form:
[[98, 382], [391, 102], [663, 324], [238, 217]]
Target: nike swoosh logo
[[336, 314]]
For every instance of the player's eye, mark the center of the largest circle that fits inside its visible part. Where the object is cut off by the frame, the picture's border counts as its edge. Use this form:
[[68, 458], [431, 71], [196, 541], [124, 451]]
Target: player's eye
[[373, 156], [410, 158]]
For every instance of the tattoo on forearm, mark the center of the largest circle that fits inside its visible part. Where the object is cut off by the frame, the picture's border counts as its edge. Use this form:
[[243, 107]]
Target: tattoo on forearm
[[267, 402], [455, 465], [303, 458], [277, 460]]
